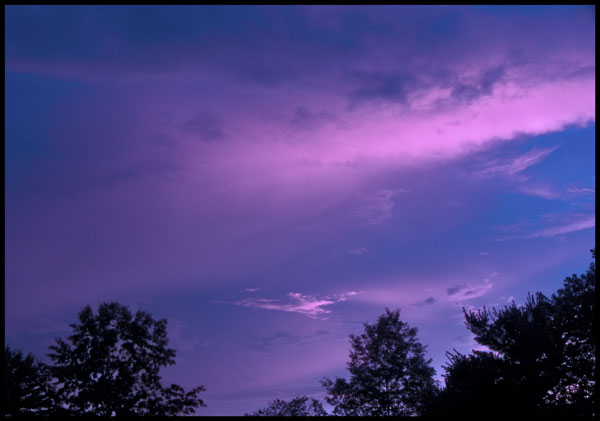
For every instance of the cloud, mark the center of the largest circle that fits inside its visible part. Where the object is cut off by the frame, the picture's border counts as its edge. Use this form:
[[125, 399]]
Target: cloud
[[383, 87], [304, 119], [555, 224], [251, 290], [513, 166], [281, 339], [428, 301], [580, 191], [580, 222], [378, 207], [276, 340], [180, 337], [273, 45], [462, 339], [93, 92], [467, 92], [345, 296], [296, 302], [206, 126], [545, 192], [467, 291]]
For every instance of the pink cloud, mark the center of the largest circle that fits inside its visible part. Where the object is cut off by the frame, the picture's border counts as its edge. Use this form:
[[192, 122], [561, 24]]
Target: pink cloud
[[296, 302], [546, 192], [580, 191], [578, 223], [555, 224], [516, 165]]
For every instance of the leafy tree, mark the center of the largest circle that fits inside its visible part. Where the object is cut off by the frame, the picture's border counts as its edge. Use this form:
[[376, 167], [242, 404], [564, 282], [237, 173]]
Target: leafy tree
[[543, 360], [475, 386], [300, 406], [578, 344], [110, 366], [389, 372], [27, 387]]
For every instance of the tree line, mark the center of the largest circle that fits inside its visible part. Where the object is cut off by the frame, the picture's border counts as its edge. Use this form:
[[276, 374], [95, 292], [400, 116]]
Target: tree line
[[541, 360]]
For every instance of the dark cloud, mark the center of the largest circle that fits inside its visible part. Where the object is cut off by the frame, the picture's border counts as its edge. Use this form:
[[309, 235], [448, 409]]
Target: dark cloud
[[468, 92], [147, 169], [462, 339], [270, 342], [428, 301], [383, 87], [206, 126], [489, 78], [305, 119], [274, 45], [282, 339], [264, 45], [468, 291], [456, 289]]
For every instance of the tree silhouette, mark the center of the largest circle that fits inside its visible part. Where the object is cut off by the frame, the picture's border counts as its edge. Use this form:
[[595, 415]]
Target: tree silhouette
[[475, 386], [575, 319], [543, 360], [110, 366], [389, 372], [300, 406], [27, 387]]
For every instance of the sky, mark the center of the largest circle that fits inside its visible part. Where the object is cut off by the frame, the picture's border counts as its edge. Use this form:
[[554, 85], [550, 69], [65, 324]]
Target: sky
[[270, 178]]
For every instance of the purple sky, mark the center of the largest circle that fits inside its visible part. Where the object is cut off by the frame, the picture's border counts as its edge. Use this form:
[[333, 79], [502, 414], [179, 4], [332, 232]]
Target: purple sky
[[269, 178]]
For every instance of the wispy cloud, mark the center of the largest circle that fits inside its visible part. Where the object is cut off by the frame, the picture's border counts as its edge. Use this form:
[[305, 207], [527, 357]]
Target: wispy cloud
[[580, 191], [511, 167], [205, 126], [296, 302], [378, 207], [582, 222], [549, 192], [428, 301], [180, 336], [345, 296], [545, 192], [555, 224], [466, 291], [281, 339], [305, 119]]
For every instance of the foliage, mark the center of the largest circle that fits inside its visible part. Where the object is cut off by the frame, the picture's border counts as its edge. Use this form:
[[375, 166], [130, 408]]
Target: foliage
[[475, 386], [575, 318], [27, 389], [110, 366], [389, 372], [300, 406], [543, 359]]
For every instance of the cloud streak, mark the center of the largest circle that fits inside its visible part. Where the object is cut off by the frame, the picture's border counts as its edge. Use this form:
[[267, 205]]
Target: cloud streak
[[467, 291], [378, 207], [295, 302], [513, 166], [578, 223]]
